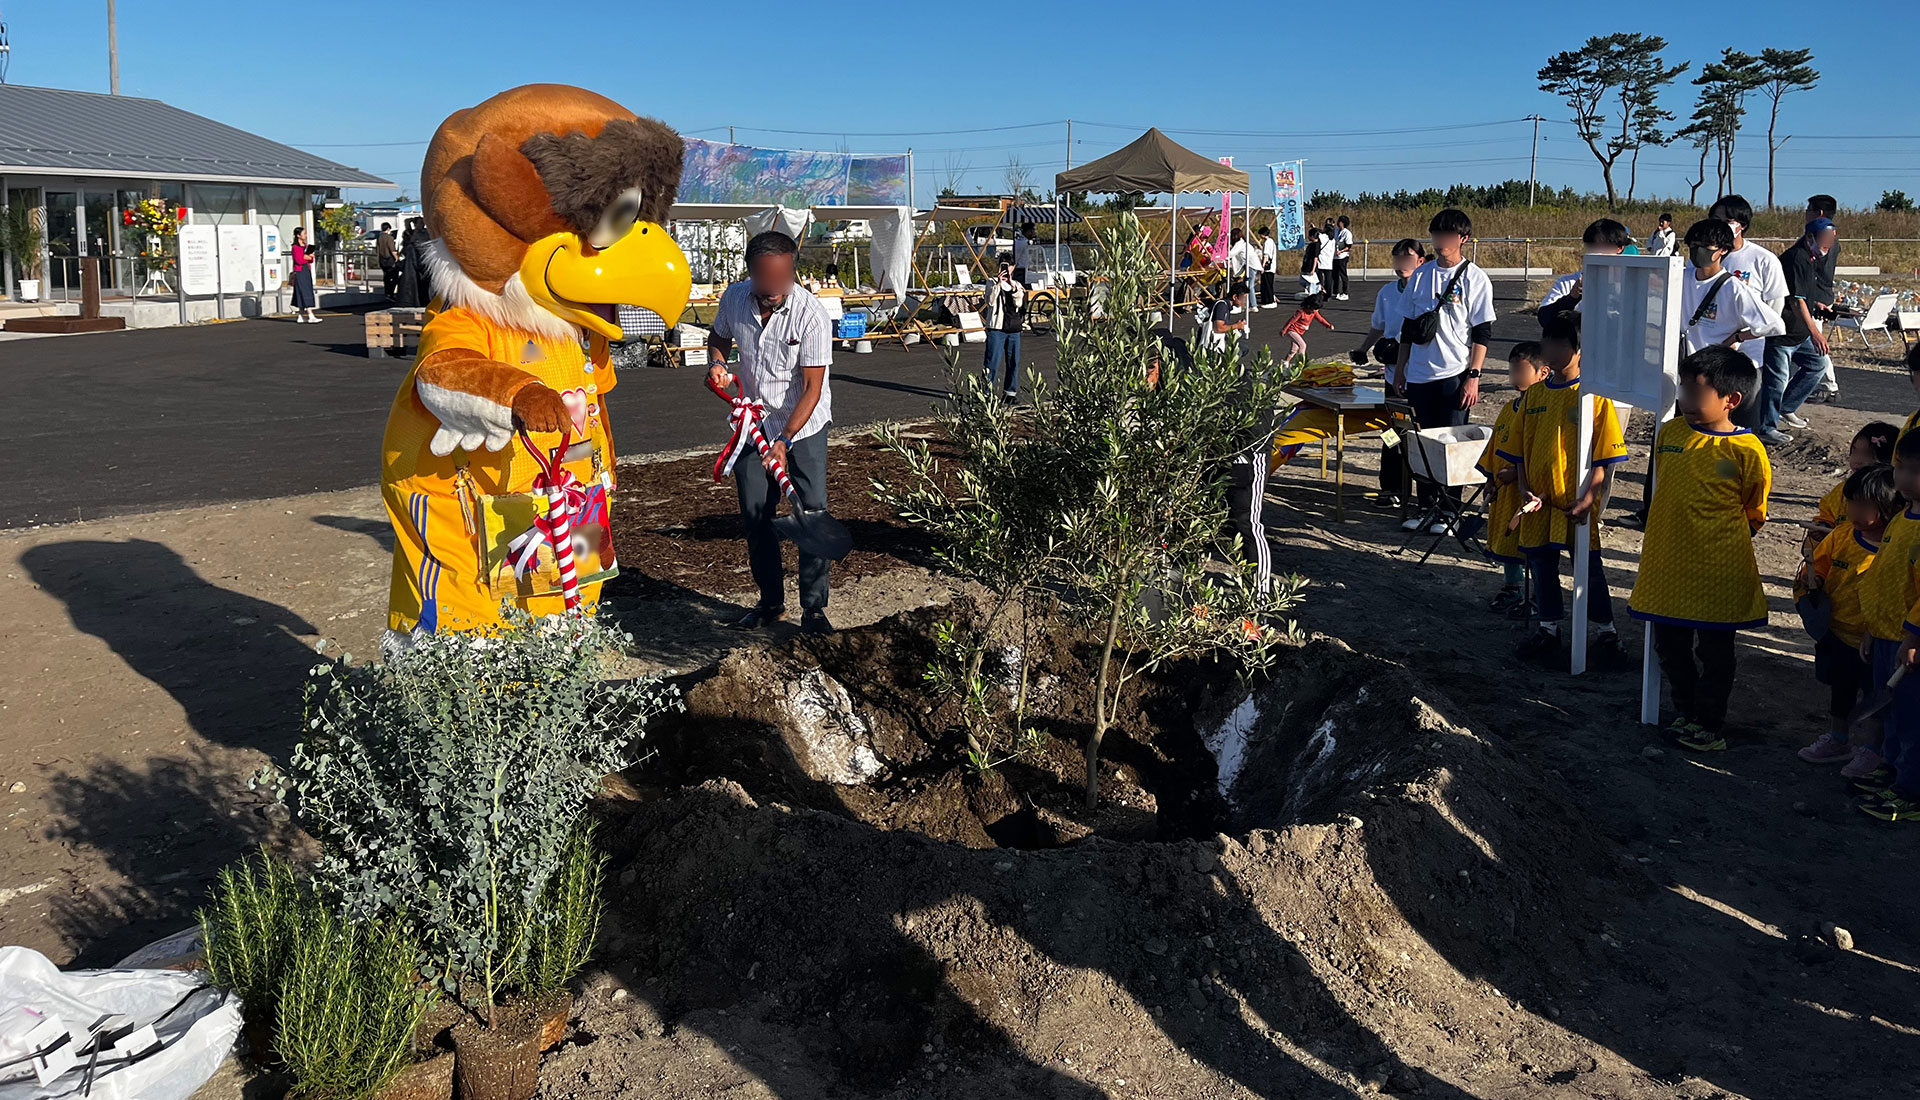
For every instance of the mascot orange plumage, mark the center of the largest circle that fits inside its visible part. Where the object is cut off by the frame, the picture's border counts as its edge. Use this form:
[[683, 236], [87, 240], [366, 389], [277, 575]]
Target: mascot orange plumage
[[546, 206]]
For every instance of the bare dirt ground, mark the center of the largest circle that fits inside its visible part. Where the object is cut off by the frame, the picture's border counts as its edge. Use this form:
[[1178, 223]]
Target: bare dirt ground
[[155, 663], [1500, 886]]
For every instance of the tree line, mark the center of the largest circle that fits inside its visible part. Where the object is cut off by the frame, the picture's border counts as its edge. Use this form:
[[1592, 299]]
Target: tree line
[[1613, 85]]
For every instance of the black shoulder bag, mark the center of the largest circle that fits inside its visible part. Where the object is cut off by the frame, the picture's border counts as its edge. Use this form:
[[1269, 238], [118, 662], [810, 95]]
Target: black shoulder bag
[[1706, 303], [1422, 329]]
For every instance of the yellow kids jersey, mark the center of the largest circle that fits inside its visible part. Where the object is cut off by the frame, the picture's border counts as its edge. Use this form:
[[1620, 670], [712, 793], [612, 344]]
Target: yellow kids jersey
[[1696, 565], [1833, 506], [1843, 560], [1547, 443], [440, 505], [1502, 544], [1890, 590]]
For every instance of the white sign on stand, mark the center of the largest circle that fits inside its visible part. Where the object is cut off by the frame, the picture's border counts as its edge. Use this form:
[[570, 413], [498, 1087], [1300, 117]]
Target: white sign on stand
[[1630, 352], [239, 259], [199, 253]]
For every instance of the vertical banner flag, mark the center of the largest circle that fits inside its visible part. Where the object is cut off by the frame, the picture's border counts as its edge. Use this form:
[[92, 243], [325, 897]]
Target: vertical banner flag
[[1226, 221], [1288, 209]]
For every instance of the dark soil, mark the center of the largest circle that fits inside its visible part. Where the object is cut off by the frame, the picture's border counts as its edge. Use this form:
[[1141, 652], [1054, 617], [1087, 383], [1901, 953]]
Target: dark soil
[[1380, 898], [686, 528]]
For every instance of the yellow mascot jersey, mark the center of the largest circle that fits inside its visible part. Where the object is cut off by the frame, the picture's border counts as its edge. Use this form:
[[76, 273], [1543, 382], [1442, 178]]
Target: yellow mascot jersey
[[1913, 422], [1709, 495], [1502, 544], [1843, 560], [433, 502], [1890, 590], [1547, 444]]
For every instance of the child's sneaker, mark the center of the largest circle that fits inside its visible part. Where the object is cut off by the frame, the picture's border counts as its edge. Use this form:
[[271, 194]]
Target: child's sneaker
[[1876, 782], [1522, 611], [1701, 739], [1891, 808], [1866, 760], [1828, 749], [1505, 598]]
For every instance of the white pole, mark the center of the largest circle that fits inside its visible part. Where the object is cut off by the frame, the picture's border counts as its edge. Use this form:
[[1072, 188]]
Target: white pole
[[1582, 533], [1173, 244]]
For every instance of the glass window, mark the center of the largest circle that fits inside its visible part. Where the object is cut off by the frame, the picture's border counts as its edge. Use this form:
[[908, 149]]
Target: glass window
[[283, 207], [219, 204]]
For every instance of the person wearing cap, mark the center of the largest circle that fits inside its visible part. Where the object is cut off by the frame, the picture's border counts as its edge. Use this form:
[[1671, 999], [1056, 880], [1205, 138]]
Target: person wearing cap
[[1797, 361]]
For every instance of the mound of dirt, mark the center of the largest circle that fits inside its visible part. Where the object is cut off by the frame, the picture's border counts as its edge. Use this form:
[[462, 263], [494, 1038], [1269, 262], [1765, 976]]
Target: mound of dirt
[[827, 905]]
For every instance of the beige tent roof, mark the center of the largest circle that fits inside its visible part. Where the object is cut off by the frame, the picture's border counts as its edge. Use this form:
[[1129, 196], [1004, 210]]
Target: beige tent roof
[[1153, 163]]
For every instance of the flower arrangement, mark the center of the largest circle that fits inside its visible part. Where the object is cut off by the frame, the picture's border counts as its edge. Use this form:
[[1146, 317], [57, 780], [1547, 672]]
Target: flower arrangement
[[156, 222]]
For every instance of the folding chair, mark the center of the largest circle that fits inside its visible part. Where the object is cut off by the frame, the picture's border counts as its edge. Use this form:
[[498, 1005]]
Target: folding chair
[[1874, 320], [1442, 459]]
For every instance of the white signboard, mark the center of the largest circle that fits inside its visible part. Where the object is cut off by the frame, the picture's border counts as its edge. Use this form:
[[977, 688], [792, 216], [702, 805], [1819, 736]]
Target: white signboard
[[197, 259], [239, 259], [1630, 329], [273, 260]]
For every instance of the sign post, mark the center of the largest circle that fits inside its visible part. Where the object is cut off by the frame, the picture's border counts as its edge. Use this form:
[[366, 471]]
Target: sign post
[[1630, 353]]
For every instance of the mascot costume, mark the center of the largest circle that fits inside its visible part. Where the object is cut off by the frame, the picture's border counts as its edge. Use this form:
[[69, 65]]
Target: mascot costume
[[546, 205]]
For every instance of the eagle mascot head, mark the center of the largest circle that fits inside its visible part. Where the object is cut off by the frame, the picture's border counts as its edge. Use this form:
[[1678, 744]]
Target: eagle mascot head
[[546, 204]]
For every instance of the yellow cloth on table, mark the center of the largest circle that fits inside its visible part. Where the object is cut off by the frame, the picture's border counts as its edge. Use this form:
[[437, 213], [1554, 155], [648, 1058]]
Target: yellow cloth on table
[[1843, 560], [1709, 494], [1547, 445], [1891, 590], [1309, 423], [1502, 544], [434, 503]]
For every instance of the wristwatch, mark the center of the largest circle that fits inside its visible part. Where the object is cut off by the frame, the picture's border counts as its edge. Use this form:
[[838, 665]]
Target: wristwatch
[[1473, 373], [782, 438]]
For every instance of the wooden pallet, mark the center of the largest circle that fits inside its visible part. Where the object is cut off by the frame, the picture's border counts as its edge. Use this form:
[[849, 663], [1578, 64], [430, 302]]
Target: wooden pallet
[[391, 331]]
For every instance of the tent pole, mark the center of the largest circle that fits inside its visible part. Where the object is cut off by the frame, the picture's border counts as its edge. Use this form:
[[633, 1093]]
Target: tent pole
[[1173, 259]]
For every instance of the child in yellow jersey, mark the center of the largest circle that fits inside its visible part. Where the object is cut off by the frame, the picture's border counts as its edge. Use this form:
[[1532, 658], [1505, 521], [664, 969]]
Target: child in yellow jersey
[[1556, 495], [1872, 446], [1840, 564], [1888, 780], [1526, 365], [1699, 582]]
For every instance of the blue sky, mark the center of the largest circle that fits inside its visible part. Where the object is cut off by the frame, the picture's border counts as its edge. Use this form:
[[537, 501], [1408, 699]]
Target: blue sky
[[1428, 98]]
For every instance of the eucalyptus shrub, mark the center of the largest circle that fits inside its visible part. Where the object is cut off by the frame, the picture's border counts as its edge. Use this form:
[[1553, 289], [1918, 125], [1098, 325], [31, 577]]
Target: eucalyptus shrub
[[445, 786]]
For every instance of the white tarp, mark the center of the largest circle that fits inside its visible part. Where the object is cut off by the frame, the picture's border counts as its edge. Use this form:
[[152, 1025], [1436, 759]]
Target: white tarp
[[891, 249], [196, 1024], [791, 222]]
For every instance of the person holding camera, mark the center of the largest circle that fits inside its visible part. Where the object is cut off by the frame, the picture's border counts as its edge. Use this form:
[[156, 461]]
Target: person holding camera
[[1004, 316]]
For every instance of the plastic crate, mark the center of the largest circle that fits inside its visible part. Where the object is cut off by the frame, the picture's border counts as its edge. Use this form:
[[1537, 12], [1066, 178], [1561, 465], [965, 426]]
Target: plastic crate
[[853, 326]]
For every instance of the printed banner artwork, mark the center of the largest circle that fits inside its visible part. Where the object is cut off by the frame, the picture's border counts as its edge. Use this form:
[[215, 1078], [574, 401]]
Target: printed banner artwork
[[1289, 208], [794, 178]]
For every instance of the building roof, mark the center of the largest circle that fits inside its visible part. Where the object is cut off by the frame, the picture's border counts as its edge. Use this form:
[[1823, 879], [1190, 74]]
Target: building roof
[[53, 131]]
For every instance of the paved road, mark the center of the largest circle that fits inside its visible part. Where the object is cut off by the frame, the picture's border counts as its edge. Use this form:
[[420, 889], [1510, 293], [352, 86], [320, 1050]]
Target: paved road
[[128, 422]]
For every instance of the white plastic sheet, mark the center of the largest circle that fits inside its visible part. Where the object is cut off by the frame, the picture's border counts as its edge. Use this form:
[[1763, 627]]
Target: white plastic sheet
[[196, 1034], [892, 250], [791, 222]]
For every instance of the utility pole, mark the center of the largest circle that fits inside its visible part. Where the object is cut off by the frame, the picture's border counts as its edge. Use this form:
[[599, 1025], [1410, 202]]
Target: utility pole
[[113, 49], [1533, 163], [729, 135]]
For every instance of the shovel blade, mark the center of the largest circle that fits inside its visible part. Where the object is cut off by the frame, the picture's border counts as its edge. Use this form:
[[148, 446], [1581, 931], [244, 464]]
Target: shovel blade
[[815, 533]]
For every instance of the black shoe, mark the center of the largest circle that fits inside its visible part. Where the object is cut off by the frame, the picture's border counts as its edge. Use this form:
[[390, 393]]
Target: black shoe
[[1542, 648], [1508, 596], [1606, 654], [1522, 611], [814, 621], [760, 618]]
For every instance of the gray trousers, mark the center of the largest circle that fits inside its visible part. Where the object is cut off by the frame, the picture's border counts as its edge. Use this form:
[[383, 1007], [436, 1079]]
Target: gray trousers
[[760, 503]]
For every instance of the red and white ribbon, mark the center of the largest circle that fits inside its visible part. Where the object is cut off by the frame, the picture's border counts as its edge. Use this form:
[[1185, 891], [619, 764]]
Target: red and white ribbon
[[563, 496], [744, 418]]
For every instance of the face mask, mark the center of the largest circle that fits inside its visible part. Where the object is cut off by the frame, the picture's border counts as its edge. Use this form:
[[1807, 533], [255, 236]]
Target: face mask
[[1701, 255]]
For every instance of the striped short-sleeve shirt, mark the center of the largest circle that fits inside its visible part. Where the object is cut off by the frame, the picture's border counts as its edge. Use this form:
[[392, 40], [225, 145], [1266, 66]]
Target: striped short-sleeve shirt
[[769, 356]]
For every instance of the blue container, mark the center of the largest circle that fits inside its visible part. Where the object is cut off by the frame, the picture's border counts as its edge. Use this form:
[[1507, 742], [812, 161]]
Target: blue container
[[853, 326]]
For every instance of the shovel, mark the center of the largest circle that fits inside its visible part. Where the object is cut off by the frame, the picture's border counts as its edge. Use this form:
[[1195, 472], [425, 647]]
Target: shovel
[[1881, 700], [815, 532]]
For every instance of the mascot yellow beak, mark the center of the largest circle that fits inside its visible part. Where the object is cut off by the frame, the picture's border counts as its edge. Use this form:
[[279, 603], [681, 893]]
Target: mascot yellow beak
[[584, 284]]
